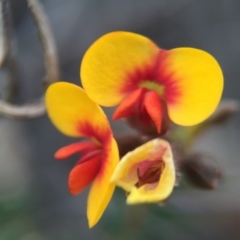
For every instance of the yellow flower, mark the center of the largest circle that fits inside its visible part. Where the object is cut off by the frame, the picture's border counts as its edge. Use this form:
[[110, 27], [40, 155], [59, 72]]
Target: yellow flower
[[147, 173], [129, 69], [76, 115]]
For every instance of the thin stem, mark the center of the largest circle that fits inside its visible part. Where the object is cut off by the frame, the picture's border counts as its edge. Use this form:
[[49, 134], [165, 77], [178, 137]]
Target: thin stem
[[37, 108], [47, 41], [7, 46], [27, 111], [3, 40]]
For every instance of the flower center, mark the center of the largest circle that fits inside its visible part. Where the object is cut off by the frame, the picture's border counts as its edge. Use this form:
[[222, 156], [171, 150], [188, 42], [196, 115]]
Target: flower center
[[150, 85], [149, 171]]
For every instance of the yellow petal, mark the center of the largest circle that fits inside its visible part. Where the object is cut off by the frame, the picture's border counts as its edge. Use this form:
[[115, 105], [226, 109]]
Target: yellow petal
[[110, 60], [102, 190], [74, 113], [125, 175], [197, 82]]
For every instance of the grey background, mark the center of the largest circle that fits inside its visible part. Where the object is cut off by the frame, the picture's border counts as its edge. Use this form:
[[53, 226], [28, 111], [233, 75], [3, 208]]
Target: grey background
[[34, 199]]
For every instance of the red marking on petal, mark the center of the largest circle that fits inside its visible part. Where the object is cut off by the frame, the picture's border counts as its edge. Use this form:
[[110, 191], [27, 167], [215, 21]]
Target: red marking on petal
[[99, 133], [130, 105], [167, 79], [107, 148], [147, 71], [156, 71], [154, 108], [83, 174], [73, 148]]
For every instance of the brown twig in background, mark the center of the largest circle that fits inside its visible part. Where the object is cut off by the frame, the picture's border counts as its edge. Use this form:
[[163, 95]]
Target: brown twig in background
[[27, 111], [3, 35], [37, 108], [201, 170], [7, 46], [47, 41], [226, 109]]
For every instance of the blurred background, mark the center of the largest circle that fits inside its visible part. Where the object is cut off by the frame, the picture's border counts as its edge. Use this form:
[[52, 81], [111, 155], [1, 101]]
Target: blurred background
[[34, 200]]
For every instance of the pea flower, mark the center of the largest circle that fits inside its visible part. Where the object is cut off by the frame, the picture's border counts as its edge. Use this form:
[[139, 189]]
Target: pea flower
[[127, 68], [76, 115], [147, 173]]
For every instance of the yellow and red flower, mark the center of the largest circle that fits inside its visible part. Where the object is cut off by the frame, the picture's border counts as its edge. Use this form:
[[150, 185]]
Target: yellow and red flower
[[147, 173], [127, 68], [76, 115]]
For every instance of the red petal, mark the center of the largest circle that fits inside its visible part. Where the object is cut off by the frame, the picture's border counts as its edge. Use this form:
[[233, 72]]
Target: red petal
[[126, 108], [154, 108], [89, 155], [69, 150], [83, 174]]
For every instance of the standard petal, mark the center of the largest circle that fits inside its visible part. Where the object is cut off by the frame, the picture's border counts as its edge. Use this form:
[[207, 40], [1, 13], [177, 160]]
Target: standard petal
[[101, 190], [74, 113], [110, 62], [83, 174], [125, 175], [193, 84], [156, 192]]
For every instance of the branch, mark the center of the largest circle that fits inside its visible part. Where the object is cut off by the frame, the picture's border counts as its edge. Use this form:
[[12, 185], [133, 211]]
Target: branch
[[3, 34], [30, 110], [37, 108], [47, 41]]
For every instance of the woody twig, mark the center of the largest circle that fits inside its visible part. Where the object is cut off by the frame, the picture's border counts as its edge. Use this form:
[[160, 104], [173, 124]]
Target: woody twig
[[37, 108]]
